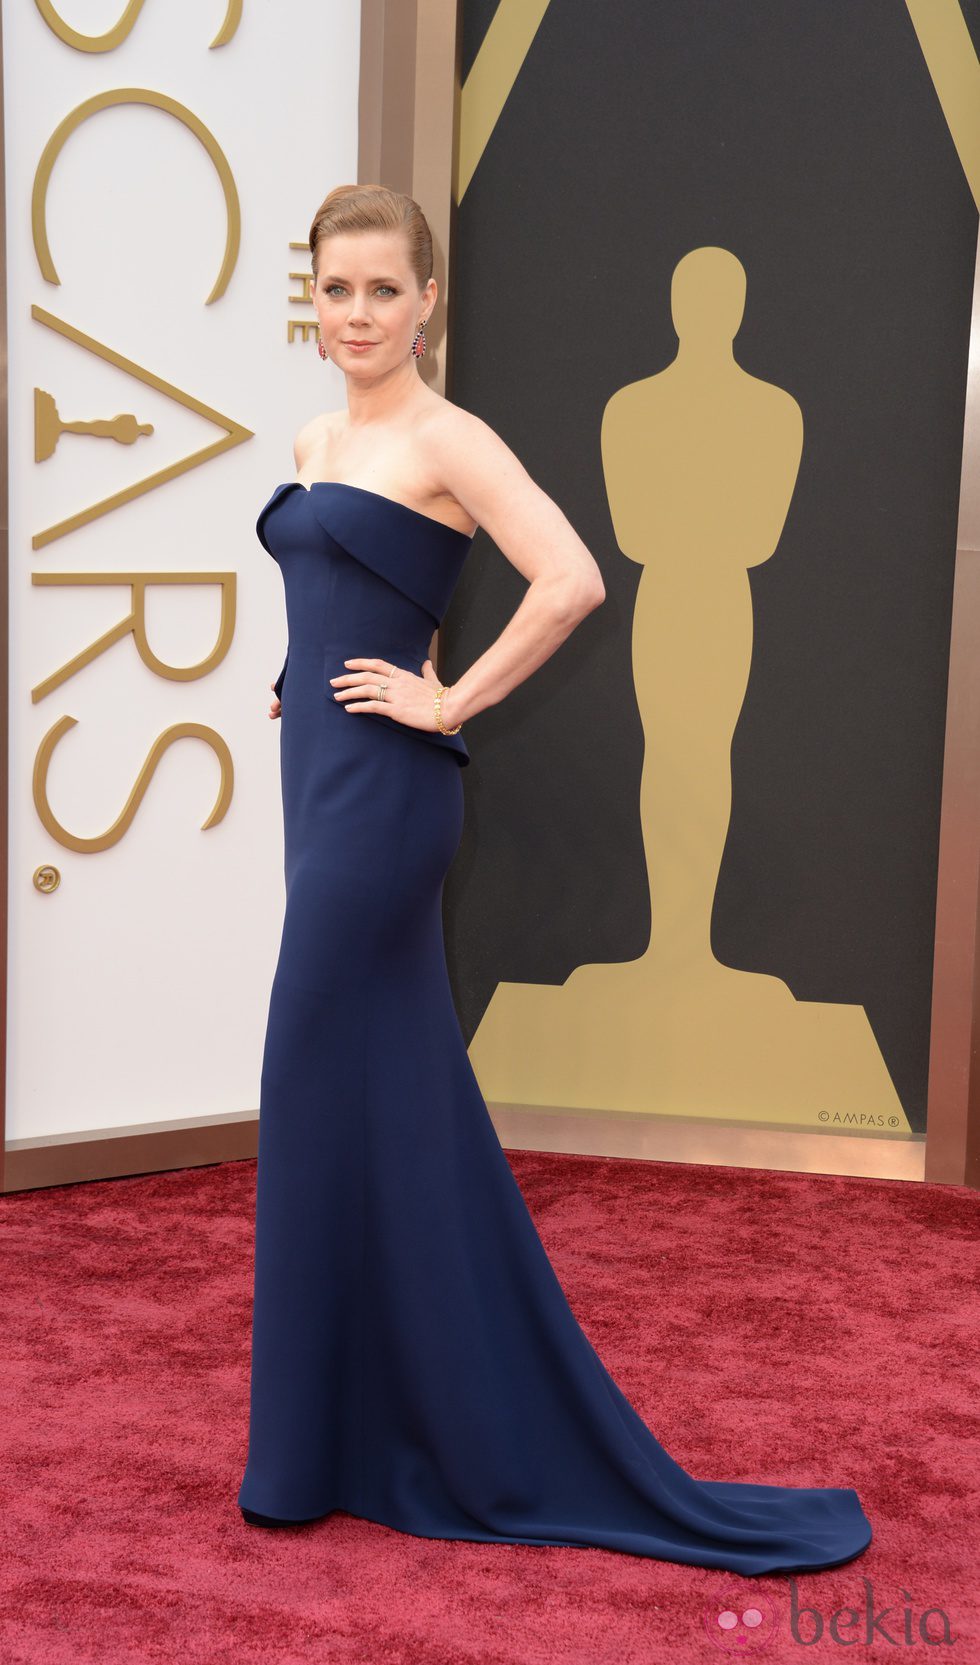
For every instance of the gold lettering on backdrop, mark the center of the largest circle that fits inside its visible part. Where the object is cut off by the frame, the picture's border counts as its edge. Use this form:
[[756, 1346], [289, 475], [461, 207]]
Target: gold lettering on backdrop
[[134, 624], [124, 428], [700, 464], [234, 433], [301, 329], [180, 112], [49, 426], [104, 841], [117, 34]]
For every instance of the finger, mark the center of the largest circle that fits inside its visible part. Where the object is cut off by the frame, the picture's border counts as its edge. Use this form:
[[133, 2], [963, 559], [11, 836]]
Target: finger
[[368, 690]]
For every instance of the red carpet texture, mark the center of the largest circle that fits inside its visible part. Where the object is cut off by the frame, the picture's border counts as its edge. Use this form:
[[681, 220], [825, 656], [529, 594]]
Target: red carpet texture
[[768, 1326]]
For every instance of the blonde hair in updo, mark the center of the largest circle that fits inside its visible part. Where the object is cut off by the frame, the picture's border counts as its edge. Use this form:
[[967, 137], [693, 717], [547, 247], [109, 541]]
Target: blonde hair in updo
[[374, 208]]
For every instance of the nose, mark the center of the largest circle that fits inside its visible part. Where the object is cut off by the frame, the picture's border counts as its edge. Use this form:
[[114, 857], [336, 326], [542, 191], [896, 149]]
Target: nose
[[359, 312]]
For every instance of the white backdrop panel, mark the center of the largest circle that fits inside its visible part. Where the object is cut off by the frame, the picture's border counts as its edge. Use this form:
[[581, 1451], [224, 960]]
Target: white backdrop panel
[[138, 989]]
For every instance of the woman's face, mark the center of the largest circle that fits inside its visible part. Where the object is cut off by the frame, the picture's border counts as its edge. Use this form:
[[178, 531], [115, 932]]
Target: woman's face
[[366, 292]]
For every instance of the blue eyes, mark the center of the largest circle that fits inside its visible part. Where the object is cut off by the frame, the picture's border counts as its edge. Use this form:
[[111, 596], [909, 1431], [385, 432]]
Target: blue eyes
[[381, 287]]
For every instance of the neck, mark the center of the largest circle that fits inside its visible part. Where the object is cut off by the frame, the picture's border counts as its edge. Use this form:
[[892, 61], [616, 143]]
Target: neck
[[702, 352], [376, 398]]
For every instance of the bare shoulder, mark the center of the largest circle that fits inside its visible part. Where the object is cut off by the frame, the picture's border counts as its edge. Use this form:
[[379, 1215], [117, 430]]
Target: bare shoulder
[[479, 470], [488, 480], [471, 462], [450, 425]]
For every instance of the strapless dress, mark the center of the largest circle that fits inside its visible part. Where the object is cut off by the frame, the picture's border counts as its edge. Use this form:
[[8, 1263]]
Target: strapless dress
[[414, 1359]]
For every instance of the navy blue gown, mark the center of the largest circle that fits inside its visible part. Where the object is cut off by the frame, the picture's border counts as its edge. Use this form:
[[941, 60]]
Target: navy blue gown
[[415, 1361]]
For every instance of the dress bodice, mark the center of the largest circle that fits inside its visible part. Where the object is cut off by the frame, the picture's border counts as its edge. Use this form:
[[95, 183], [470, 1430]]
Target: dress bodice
[[364, 576]]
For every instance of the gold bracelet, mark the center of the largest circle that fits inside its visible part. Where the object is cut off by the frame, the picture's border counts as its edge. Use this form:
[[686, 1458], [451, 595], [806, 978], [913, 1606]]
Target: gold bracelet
[[439, 722]]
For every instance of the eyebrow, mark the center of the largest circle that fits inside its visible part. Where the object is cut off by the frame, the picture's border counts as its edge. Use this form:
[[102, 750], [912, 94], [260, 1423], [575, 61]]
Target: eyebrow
[[331, 277]]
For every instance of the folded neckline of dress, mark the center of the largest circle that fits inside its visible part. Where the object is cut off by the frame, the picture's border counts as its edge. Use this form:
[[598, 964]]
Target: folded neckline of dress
[[423, 562], [380, 497]]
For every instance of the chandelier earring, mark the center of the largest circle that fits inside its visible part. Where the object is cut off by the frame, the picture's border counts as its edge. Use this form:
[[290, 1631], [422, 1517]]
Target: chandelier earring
[[418, 345], [321, 349]]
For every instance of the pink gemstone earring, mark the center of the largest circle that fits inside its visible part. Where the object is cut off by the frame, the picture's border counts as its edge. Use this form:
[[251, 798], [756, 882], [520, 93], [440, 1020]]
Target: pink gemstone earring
[[321, 349], [418, 345]]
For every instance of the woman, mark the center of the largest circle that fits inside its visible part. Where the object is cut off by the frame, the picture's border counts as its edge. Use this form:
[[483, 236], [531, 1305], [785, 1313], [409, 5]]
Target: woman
[[414, 1358]]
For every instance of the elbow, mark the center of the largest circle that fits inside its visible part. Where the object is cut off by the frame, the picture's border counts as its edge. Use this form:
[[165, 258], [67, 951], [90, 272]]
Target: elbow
[[579, 602], [591, 596], [592, 588], [570, 601]]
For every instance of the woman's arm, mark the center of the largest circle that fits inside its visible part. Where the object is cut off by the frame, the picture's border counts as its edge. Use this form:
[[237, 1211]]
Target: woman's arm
[[529, 529]]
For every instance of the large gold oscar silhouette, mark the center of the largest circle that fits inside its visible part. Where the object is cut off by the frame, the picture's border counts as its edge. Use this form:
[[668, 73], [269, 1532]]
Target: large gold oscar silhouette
[[700, 464]]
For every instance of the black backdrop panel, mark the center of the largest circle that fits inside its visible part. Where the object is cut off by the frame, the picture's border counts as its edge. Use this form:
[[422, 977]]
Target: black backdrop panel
[[809, 140]]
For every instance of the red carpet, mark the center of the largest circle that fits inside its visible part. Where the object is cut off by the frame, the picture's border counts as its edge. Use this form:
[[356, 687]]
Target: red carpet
[[769, 1327]]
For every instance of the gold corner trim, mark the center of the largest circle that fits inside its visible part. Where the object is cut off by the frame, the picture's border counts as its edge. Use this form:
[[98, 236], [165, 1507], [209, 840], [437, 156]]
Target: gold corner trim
[[491, 80], [952, 62], [557, 1129]]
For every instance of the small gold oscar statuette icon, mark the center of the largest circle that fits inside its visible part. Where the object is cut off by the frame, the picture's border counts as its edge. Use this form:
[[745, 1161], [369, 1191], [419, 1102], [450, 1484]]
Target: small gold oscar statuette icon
[[48, 427]]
